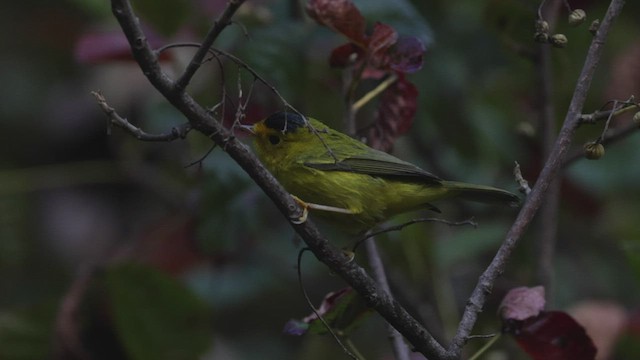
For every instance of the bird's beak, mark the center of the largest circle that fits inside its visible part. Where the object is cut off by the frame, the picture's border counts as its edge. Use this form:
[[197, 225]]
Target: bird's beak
[[248, 128]]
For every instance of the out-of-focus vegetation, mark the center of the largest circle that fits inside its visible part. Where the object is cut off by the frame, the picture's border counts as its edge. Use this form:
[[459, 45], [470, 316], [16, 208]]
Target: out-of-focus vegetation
[[112, 248]]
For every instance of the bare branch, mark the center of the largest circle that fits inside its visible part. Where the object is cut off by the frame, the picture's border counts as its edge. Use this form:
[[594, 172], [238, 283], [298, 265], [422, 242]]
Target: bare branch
[[179, 132], [535, 198], [400, 349]]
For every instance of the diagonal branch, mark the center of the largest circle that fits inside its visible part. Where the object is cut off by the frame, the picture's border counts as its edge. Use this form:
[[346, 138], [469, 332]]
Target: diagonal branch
[[222, 22], [203, 121], [534, 200]]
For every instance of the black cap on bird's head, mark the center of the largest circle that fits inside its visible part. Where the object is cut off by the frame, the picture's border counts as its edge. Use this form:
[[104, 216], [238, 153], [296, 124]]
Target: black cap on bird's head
[[287, 122]]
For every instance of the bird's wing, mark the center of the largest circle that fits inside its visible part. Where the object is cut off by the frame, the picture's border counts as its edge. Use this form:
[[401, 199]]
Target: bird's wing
[[375, 163]]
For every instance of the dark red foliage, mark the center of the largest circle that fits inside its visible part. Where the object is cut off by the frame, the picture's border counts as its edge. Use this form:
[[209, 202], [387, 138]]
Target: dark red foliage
[[380, 54], [384, 50], [395, 114], [382, 38], [340, 15], [345, 55], [552, 335], [407, 54]]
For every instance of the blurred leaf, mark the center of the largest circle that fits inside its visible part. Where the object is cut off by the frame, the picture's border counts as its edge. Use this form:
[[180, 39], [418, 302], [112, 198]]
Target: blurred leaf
[[165, 16], [341, 16], [552, 335], [407, 54], [468, 243], [100, 47], [399, 14], [604, 322], [521, 303], [26, 334], [155, 316]]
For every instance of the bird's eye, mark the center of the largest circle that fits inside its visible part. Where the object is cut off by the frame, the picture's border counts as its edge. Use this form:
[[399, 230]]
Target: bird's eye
[[273, 139]]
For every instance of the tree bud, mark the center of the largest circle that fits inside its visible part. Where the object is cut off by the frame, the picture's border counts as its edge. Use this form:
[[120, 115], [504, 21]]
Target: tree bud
[[577, 17], [558, 40], [593, 150]]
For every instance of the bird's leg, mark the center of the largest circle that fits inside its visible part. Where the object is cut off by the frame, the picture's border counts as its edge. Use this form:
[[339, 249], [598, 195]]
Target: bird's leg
[[306, 206]]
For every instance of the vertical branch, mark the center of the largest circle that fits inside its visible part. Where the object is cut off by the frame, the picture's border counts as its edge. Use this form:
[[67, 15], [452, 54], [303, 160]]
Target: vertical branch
[[548, 223], [552, 165], [400, 349]]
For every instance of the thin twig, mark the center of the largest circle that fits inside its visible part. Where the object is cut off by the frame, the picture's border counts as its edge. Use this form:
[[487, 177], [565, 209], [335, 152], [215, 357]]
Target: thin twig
[[535, 198], [313, 308], [179, 132], [399, 227], [522, 182], [613, 137], [547, 227]]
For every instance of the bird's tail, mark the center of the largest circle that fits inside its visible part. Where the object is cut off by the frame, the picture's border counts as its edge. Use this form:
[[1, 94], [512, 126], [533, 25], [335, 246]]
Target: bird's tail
[[481, 193]]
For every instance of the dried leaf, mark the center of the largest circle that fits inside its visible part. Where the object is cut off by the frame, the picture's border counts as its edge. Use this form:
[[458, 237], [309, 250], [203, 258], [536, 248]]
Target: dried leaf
[[522, 302]]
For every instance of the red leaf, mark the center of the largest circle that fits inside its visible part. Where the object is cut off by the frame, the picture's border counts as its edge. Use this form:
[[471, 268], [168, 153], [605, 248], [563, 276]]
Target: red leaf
[[340, 15], [382, 38], [552, 335], [521, 303], [345, 55], [395, 114], [406, 55]]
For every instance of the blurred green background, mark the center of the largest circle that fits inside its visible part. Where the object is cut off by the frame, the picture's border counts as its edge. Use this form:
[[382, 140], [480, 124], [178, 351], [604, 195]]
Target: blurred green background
[[115, 248]]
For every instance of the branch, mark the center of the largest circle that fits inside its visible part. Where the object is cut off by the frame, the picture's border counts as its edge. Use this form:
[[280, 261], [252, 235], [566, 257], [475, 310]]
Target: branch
[[400, 349], [179, 132], [203, 121], [534, 200], [222, 22]]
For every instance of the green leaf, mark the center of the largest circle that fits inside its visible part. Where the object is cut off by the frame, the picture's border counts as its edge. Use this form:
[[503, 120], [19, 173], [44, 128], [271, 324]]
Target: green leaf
[[155, 316]]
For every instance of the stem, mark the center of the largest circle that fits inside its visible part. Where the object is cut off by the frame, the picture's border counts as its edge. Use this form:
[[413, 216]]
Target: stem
[[400, 349], [548, 224], [373, 93]]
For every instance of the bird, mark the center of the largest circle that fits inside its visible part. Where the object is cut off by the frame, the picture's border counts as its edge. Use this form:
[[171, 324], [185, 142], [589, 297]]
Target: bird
[[348, 183]]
